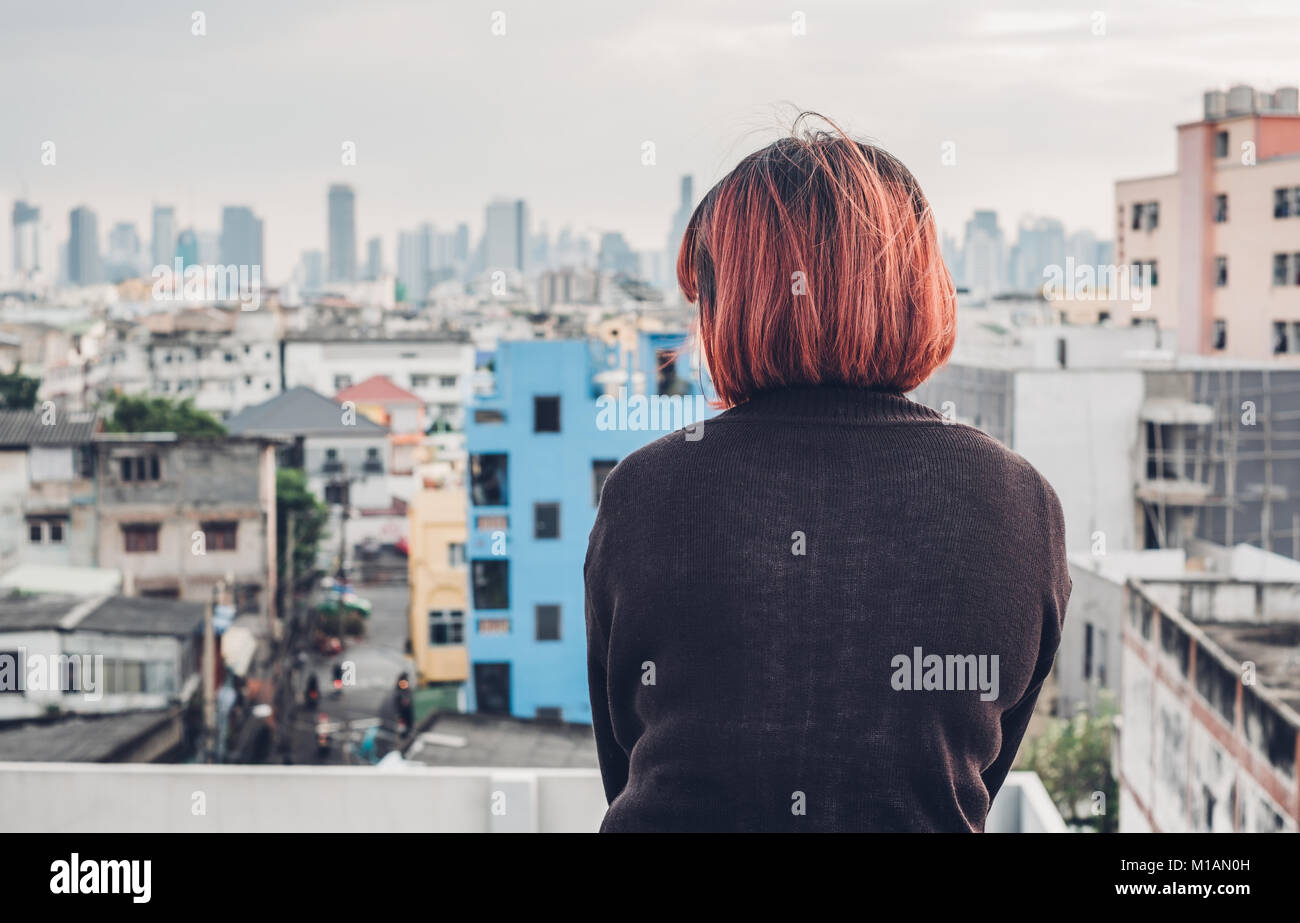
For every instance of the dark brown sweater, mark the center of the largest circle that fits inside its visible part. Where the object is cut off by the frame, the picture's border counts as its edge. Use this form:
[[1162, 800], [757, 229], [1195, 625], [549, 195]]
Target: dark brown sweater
[[765, 605]]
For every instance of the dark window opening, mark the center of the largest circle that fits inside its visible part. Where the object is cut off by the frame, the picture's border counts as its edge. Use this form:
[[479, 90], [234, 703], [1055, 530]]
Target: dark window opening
[[491, 580], [489, 416], [600, 470], [1219, 338], [141, 537], [446, 627], [546, 414], [548, 623], [220, 536], [546, 520], [488, 479], [1220, 144]]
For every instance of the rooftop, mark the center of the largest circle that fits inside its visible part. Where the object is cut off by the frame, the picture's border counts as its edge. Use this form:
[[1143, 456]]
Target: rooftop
[[456, 739], [124, 615], [21, 428], [89, 739], [300, 411], [377, 389]]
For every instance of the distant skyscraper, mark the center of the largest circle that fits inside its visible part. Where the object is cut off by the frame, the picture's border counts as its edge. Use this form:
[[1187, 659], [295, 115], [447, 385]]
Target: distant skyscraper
[[983, 255], [374, 258], [84, 266], [414, 252], [342, 234], [505, 235], [27, 240], [163, 243], [187, 248], [680, 219], [615, 255], [241, 237], [311, 270], [123, 260], [1040, 244]]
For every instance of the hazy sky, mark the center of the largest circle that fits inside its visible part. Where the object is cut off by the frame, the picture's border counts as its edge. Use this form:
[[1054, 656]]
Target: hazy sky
[[1045, 115]]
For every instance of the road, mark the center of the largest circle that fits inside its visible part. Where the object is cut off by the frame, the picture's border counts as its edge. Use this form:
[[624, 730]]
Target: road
[[375, 663]]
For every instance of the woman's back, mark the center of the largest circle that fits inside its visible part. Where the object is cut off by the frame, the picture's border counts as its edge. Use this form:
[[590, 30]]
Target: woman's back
[[833, 611]]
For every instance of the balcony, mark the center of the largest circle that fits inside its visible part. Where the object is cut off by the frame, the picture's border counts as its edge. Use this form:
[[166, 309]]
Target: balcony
[[155, 798]]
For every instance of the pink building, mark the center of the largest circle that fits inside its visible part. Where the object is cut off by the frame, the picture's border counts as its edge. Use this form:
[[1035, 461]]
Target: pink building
[[1219, 239]]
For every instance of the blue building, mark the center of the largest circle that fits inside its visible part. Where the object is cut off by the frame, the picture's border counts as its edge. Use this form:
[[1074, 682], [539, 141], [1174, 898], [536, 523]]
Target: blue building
[[550, 419]]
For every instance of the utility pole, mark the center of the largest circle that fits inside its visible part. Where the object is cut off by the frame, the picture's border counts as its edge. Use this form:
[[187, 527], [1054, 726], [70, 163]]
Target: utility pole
[[209, 674]]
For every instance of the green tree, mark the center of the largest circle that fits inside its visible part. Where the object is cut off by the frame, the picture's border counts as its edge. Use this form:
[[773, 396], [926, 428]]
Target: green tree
[[1073, 758], [18, 391], [309, 518], [144, 414]]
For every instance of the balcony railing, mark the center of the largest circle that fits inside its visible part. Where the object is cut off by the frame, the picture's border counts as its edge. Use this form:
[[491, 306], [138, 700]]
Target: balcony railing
[[158, 798]]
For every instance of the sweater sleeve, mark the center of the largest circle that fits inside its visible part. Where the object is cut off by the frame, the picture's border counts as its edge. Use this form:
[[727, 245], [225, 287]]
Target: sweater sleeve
[[1056, 597], [613, 760]]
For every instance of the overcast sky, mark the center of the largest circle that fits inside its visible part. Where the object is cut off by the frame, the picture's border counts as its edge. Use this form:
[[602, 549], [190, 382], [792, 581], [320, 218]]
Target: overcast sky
[[1045, 114]]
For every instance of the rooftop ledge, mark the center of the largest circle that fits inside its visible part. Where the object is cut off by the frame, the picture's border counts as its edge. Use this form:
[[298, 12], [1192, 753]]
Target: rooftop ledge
[[158, 798]]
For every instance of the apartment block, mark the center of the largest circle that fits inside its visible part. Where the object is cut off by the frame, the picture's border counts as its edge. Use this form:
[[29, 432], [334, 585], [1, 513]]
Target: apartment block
[[549, 420], [1219, 238]]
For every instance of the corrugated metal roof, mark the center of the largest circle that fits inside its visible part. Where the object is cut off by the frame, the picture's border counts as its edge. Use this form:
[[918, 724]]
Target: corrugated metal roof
[[20, 428]]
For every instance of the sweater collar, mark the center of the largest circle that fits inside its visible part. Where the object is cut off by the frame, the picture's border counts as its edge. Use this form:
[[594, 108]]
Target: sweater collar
[[835, 402]]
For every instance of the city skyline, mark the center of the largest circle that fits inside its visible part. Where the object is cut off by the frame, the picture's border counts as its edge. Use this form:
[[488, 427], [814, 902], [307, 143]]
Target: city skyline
[[1052, 145]]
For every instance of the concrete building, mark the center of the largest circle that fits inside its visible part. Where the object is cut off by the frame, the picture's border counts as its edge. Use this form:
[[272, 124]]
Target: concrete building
[[1210, 734], [47, 488], [179, 516], [433, 365], [399, 411], [1220, 236], [505, 236], [96, 655], [439, 577], [547, 425]]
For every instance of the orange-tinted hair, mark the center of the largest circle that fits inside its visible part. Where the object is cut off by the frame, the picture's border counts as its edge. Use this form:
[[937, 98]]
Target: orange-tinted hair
[[816, 261]]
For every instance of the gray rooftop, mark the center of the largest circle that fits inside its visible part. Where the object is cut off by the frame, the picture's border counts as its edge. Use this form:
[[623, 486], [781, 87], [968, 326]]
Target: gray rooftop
[[456, 739], [21, 428], [121, 615], [98, 739], [300, 411]]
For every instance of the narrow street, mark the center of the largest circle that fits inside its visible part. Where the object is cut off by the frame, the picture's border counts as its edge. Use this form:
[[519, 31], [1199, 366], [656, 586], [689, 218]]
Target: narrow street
[[376, 662]]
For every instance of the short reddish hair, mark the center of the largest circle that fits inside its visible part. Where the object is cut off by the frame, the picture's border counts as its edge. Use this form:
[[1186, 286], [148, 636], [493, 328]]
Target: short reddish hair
[[816, 261]]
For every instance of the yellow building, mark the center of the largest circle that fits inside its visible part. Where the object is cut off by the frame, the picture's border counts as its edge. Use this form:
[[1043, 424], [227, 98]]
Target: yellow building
[[439, 587]]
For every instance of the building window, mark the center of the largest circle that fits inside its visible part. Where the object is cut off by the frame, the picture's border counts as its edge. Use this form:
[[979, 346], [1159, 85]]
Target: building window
[[1286, 202], [1087, 650], [600, 470], [419, 381], [546, 520], [1220, 144], [332, 464], [12, 666], [494, 626], [455, 554], [220, 536], [1147, 271], [548, 623], [489, 416], [140, 468], [141, 537], [447, 381], [1146, 216], [1279, 268], [56, 532], [1220, 271], [546, 414], [549, 713], [1219, 338], [488, 479], [492, 523], [373, 464], [446, 627], [337, 494], [341, 382], [1281, 340], [491, 581], [1221, 208]]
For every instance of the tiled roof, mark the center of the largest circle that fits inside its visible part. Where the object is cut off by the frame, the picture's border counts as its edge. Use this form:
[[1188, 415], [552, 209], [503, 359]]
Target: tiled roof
[[299, 412], [455, 739], [377, 390], [20, 428], [119, 615]]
